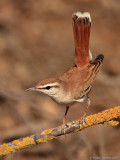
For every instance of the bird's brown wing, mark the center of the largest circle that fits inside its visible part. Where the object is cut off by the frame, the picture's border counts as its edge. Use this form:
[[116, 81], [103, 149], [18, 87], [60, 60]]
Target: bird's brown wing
[[93, 68], [97, 64], [81, 29]]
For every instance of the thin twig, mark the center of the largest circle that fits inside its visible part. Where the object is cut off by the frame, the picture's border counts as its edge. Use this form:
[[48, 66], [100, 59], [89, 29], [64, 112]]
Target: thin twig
[[106, 116]]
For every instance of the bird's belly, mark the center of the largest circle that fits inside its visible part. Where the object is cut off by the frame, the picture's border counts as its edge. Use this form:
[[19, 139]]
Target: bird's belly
[[64, 100]]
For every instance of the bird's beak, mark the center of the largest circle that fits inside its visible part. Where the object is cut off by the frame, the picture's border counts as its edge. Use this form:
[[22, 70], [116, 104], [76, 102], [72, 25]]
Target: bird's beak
[[32, 89]]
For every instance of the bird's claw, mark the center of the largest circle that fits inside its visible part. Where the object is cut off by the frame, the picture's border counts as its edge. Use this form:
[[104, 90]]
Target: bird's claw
[[64, 126], [83, 121]]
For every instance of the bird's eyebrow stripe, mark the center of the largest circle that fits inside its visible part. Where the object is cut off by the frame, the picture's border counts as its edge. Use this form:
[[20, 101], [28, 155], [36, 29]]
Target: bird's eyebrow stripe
[[48, 85]]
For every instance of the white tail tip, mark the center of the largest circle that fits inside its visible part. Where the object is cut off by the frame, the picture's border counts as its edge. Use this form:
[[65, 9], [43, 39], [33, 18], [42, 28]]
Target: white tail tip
[[82, 15]]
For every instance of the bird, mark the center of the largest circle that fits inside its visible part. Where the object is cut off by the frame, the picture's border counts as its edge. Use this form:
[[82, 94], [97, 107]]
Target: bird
[[75, 84]]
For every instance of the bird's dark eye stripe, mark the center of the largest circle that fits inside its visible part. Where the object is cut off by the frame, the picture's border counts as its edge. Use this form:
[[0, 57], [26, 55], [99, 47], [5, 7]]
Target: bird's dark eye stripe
[[48, 87]]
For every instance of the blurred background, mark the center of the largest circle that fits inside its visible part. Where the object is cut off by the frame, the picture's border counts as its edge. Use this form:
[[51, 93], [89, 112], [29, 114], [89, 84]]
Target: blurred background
[[36, 42]]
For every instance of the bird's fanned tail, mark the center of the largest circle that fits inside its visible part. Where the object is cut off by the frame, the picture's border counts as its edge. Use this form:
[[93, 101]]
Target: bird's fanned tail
[[81, 29]]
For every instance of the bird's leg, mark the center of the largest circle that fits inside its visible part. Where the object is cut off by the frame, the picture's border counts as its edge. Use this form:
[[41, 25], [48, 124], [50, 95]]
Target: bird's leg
[[64, 125], [86, 109], [65, 115]]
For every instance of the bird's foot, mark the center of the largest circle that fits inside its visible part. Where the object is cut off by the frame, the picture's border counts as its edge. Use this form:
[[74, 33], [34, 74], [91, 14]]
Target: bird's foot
[[64, 127], [83, 121]]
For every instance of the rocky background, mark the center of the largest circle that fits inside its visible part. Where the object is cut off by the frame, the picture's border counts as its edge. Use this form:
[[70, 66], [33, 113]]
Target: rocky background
[[36, 42]]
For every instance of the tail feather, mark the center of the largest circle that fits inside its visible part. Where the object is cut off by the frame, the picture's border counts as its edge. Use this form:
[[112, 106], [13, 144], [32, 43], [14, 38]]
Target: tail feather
[[81, 28]]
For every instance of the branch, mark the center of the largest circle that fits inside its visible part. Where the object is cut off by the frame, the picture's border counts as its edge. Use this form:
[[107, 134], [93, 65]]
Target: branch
[[106, 116]]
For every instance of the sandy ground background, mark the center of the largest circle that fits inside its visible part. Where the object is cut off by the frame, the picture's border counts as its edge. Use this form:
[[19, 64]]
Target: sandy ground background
[[36, 42]]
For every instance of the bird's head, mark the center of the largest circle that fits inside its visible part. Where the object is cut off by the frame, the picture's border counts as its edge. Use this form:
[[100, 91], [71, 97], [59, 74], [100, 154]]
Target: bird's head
[[50, 86]]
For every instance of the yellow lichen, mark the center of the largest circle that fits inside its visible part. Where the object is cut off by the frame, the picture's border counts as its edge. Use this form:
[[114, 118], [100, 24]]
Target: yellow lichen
[[24, 143], [106, 115], [46, 132], [113, 123], [5, 149], [44, 140]]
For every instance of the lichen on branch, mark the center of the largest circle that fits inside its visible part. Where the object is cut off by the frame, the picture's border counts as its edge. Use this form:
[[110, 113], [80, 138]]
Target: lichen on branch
[[106, 116]]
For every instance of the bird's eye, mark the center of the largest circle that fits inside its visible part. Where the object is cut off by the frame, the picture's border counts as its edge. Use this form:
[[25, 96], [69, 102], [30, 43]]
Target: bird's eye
[[48, 87]]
